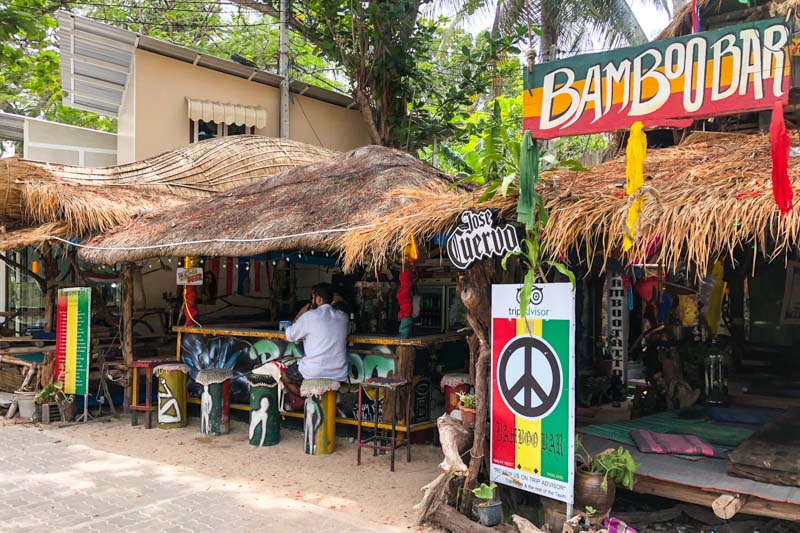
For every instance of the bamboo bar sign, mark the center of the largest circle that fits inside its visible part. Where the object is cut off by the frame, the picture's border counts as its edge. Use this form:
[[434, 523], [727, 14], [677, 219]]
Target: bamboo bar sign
[[663, 83], [72, 339]]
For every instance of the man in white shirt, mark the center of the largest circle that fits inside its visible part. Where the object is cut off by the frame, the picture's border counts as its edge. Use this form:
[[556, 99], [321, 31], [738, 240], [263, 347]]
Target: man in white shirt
[[323, 331]]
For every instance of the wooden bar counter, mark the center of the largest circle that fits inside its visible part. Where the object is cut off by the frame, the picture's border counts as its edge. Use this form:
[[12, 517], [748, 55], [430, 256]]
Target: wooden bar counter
[[405, 353]]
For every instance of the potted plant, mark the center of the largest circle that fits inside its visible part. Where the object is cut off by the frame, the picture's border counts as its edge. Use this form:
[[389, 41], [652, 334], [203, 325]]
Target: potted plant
[[490, 511], [466, 404], [597, 477], [45, 399]]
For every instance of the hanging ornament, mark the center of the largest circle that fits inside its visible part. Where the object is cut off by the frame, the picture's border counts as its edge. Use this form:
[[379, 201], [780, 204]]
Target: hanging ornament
[[780, 143], [411, 251], [634, 179]]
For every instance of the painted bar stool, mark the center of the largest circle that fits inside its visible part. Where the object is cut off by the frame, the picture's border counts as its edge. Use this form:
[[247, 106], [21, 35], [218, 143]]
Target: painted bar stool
[[171, 386], [137, 406], [452, 385], [265, 426], [382, 442], [215, 401], [319, 419]]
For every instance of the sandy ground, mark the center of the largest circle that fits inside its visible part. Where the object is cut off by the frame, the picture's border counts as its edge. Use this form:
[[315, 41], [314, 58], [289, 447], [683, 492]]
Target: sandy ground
[[333, 481]]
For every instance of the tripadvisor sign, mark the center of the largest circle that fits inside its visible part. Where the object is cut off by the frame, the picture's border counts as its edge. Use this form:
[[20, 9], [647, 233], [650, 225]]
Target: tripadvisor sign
[[480, 237], [737, 68]]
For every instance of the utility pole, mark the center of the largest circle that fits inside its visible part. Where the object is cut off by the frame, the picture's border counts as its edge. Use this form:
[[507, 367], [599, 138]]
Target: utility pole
[[283, 67]]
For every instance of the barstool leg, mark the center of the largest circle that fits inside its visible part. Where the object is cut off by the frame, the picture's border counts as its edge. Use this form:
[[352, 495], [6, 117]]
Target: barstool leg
[[134, 395], [360, 418], [409, 397], [393, 442], [375, 419], [148, 391]]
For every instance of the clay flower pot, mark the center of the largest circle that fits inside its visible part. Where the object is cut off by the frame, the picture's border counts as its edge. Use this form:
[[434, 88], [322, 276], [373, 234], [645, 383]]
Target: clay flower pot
[[589, 491], [467, 416]]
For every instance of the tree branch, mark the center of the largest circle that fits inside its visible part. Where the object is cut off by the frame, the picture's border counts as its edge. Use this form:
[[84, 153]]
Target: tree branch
[[36, 277]]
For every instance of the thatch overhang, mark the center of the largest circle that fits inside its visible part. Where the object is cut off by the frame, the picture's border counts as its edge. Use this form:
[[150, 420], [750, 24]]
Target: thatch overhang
[[708, 198], [306, 208], [35, 197], [713, 14]]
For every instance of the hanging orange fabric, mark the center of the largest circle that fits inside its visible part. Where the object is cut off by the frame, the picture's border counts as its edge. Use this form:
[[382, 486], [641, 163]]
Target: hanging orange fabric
[[634, 178], [781, 143]]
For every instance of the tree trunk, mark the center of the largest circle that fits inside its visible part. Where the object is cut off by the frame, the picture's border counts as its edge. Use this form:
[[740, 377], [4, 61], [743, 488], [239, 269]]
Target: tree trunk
[[475, 289], [127, 328], [50, 270], [549, 37]]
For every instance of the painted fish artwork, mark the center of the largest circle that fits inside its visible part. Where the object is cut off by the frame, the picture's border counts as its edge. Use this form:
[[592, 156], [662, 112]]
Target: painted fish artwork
[[201, 352]]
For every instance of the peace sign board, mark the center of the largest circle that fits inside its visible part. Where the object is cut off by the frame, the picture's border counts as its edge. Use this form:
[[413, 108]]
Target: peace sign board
[[532, 404]]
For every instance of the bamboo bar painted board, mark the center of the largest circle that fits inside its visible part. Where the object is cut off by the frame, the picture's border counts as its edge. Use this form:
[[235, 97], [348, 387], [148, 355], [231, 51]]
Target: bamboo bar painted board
[[73, 339]]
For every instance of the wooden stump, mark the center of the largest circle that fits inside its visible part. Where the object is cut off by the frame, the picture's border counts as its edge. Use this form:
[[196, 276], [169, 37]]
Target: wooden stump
[[727, 505]]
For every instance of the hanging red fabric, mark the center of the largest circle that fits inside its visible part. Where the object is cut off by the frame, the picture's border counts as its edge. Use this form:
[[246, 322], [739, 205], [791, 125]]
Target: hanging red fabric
[[780, 143]]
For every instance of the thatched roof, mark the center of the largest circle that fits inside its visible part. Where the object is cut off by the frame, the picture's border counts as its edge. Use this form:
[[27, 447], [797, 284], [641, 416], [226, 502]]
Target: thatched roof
[[305, 208], [86, 200], [681, 23], [705, 199]]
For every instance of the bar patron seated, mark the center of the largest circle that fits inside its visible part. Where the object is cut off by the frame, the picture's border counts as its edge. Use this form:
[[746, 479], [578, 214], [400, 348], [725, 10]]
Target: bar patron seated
[[374, 346]]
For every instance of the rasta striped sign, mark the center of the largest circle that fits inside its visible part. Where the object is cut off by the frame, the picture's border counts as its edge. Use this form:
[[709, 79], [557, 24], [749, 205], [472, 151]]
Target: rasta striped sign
[[72, 339], [664, 83], [533, 409]]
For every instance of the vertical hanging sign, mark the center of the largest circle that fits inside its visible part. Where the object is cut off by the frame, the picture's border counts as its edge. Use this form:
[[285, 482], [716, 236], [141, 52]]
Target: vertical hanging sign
[[72, 339], [532, 397]]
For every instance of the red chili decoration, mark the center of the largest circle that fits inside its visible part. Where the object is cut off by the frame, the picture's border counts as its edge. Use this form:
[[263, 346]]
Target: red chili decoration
[[781, 143]]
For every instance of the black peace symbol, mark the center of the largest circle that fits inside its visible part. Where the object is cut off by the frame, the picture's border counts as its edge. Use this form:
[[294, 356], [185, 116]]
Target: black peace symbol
[[527, 384]]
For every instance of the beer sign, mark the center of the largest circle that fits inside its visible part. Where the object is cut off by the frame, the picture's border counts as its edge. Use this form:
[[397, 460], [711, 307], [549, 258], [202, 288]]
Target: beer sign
[[189, 276], [664, 83], [478, 237]]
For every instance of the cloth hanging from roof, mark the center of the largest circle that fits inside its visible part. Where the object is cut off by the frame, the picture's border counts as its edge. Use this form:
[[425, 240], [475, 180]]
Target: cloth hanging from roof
[[634, 179], [223, 113], [781, 144]]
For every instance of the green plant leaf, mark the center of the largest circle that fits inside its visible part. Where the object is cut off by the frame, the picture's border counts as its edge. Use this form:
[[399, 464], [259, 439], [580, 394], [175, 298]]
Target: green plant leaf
[[564, 270]]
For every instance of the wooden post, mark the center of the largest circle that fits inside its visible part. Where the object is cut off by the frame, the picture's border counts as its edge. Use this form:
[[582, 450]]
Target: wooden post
[[127, 328], [50, 271], [394, 405], [475, 289]]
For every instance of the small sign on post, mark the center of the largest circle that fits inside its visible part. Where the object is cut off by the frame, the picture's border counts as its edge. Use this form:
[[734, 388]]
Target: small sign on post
[[190, 276], [73, 329], [532, 398]]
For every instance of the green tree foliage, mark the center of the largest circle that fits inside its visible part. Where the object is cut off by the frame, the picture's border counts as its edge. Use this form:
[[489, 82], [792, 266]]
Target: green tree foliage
[[29, 65], [385, 50]]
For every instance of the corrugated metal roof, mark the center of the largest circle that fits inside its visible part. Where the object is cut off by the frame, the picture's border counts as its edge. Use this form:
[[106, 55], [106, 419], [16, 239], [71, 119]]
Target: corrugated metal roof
[[12, 127], [96, 61]]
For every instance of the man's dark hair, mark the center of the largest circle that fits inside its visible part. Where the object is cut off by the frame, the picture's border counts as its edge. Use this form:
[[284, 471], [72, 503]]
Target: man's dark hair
[[324, 291]]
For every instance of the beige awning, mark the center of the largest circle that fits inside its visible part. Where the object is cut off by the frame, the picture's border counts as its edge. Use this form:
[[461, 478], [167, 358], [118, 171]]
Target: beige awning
[[227, 113]]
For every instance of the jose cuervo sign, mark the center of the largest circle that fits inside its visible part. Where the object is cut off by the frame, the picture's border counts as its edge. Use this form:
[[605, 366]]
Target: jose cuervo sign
[[664, 83], [532, 395], [478, 237]]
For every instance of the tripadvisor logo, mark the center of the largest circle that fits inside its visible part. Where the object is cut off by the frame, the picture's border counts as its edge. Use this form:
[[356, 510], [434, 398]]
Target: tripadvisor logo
[[537, 295], [480, 237]]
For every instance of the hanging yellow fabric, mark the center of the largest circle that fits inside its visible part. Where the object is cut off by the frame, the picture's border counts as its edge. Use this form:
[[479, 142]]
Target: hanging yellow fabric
[[634, 178], [411, 251]]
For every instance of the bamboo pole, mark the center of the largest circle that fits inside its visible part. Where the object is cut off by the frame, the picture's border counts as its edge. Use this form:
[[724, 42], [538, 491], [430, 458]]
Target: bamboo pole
[[127, 328]]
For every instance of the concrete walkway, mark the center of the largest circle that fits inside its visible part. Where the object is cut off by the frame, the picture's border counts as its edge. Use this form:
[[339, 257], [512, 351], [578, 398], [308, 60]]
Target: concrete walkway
[[46, 484]]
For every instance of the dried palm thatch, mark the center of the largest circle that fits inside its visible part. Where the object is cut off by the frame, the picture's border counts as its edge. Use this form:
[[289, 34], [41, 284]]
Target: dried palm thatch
[[681, 23], [88, 200], [705, 199], [305, 208]]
